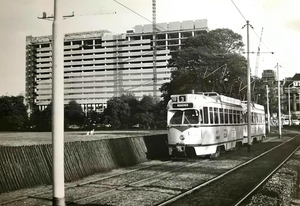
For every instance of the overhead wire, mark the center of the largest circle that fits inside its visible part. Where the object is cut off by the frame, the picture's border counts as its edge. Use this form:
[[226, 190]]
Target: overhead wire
[[239, 10], [269, 50], [139, 14]]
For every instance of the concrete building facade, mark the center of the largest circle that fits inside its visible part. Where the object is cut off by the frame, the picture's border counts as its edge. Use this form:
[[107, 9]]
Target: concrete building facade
[[269, 77], [99, 65]]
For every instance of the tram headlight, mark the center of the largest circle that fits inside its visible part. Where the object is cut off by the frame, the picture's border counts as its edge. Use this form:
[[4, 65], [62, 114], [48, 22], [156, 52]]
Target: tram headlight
[[182, 137]]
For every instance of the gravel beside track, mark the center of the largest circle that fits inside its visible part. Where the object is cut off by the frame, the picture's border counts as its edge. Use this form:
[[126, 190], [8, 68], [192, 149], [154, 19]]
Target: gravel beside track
[[229, 189], [282, 188]]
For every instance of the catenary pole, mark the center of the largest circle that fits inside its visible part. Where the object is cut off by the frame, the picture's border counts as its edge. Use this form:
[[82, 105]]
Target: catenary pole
[[289, 102], [58, 106], [279, 104], [248, 91], [268, 109]]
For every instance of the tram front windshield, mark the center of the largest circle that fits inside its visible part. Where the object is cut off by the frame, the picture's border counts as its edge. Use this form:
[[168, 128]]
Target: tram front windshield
[[189, 116]]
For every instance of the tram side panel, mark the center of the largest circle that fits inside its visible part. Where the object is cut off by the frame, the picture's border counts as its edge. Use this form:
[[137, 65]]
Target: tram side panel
[[258, 127]]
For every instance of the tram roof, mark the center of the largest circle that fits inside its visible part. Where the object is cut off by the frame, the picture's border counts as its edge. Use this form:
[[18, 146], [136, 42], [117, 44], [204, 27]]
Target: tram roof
[[206, 95], [253, 106]]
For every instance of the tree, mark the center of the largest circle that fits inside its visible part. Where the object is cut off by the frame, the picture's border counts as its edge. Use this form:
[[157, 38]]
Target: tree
[[93, 119], [45, 119], [160, 115], [13, 113], [126, 111], [74, 114], [145, 116], [117, 112], [210, 61], [133, 103]]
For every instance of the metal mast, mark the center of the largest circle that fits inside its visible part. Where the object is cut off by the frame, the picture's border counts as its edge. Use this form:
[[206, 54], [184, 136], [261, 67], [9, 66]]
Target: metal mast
[[248, 92]]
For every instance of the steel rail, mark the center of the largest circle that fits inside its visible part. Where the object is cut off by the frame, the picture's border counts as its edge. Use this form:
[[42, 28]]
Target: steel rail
[[265, 179], [134, 183], [82, 184], [177, 197]]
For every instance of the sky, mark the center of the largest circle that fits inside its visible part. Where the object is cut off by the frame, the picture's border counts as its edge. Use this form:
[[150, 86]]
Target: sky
[[280, 20]]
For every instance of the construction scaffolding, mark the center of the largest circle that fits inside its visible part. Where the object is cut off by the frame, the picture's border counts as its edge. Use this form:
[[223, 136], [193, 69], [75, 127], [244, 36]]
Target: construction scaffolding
[[118, 66]]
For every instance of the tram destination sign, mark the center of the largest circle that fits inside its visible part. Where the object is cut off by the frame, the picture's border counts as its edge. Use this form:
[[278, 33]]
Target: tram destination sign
[[183, 105]]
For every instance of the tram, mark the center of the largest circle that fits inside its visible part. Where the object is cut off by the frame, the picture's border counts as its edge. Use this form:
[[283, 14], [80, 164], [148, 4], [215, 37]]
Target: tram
[[204, 124], [258, 123]]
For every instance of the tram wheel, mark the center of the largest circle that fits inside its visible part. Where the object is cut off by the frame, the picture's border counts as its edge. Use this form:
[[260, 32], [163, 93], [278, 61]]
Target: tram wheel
[[238, 145], [216, 154]]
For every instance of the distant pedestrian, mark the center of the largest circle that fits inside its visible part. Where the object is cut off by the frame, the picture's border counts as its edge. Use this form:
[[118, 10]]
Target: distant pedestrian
[[90, 132]]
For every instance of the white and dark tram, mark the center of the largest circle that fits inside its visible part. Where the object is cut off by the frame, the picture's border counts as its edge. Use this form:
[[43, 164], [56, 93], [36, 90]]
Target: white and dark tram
[[204, 124]]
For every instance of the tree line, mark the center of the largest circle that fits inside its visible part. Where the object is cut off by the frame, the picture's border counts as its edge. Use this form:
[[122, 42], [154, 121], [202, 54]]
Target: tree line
[[210, 61], [124, 112]]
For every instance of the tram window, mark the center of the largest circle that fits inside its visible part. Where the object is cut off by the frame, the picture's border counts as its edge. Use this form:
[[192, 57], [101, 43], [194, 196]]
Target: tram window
[[211, 115], [226, 116], [242, 117], [191, 116], [234, 116], [201, 116], [230, 116], [205, 115], [221, 116], [216, 115], [177, 117]]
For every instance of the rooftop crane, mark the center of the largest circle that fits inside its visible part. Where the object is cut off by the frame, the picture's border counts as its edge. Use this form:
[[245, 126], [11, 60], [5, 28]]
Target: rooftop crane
[[257, 63], [258, 54]]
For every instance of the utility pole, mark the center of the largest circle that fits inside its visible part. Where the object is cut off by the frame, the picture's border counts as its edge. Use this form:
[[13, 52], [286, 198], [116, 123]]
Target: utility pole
[[58, 106], [57, 103], [268, 109], [279, 104], [248, 89]]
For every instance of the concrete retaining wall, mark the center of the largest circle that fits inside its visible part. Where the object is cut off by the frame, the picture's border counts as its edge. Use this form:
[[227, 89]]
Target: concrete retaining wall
[[28, 166]]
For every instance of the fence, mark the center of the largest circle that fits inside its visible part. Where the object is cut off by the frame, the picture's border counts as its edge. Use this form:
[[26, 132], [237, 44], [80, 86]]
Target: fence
[[28, 166]]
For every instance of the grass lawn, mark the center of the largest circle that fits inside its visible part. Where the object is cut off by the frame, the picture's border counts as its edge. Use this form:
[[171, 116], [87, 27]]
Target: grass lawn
[[32, 138]]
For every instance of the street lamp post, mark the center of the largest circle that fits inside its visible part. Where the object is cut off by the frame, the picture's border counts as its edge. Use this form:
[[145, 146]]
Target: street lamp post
[[289, 102], [279, 104]]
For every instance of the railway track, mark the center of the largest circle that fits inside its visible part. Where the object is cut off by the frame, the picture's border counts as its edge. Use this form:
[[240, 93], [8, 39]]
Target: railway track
[[238, 184], [109, 184], [172, 182]]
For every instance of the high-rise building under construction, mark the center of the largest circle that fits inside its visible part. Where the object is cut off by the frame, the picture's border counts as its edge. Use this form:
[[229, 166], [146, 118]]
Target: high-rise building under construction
[[99, 65]]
